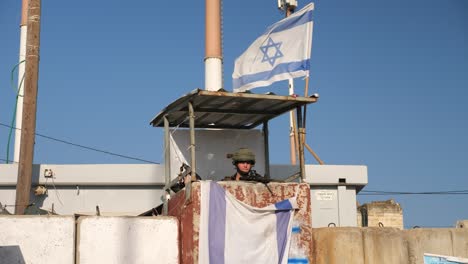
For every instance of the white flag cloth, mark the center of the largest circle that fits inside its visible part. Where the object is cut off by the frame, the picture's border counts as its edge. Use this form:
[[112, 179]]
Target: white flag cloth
[[282, 52], [233, 232]]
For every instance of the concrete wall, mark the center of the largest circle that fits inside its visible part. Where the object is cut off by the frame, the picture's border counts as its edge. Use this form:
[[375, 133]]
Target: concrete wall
[[37, 239], [127, 240], [385, 245]]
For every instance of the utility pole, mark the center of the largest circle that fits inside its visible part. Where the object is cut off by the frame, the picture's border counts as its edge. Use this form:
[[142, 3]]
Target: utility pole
[[23, 185]]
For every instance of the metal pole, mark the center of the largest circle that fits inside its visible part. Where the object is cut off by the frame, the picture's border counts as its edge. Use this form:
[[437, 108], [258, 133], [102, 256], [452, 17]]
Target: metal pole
[[301, 143], [266, 149], [23, 186], [193, 177], [167, 163], [192, 141], [21, 67], [292, 127]]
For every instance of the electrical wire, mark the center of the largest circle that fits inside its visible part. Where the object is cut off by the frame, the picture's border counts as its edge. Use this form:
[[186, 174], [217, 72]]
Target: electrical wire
[[453, 192], [17, 91], [86, 147], [56, 191], [12, 77]]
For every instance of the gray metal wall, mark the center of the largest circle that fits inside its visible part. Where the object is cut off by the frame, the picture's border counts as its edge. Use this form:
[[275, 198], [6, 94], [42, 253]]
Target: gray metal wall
[[130, 189]]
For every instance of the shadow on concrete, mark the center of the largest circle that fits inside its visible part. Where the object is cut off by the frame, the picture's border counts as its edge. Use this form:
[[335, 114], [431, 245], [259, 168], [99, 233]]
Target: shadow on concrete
[[11, 255]]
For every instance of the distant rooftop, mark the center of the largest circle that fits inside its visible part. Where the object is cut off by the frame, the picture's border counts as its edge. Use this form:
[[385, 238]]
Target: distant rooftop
[[221, 109]]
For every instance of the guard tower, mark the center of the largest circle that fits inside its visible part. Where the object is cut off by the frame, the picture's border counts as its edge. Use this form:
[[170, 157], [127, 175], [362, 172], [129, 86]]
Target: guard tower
[[218, 122], [219, 113]]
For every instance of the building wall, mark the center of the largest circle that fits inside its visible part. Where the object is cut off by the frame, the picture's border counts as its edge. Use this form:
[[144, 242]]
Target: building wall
[[382, 213], [131, 189], [122, 189]]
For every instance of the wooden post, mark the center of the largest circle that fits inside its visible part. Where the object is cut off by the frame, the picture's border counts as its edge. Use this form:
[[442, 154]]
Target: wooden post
[[317, 158], [23, 186], [266, 149], [300, 126]]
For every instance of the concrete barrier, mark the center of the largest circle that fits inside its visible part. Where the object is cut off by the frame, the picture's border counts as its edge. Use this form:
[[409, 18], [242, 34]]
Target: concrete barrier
[[386, 245], [337, 245], [460, 242], [438, 241], [37, 239], [127, 240]]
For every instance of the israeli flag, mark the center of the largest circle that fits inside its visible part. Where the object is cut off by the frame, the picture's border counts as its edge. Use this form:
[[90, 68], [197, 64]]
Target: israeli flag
[[233, 232], [282, 52]]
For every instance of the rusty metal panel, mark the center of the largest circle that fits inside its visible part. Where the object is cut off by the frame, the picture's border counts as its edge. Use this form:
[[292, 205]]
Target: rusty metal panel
[[254, 194], [222, 109]]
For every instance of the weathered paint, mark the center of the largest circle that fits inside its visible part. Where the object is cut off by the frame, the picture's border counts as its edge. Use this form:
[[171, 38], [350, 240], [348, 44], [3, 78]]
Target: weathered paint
[[254, 194], [127, 240], [37, 239]]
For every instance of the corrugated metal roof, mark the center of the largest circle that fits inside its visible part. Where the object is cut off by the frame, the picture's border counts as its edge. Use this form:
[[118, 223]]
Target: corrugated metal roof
[[220, 109]]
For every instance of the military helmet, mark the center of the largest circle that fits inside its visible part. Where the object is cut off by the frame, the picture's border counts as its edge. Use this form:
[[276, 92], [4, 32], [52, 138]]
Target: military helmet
[[243, 154]]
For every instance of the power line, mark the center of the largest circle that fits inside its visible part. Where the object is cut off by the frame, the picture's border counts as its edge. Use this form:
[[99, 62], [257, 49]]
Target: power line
[[84, 147], [453, 192]]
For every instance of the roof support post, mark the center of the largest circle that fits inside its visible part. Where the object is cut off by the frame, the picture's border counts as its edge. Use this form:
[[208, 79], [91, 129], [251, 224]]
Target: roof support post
[[266, 149], [300, 126], [167, 164], [192, 140], [188, 183]]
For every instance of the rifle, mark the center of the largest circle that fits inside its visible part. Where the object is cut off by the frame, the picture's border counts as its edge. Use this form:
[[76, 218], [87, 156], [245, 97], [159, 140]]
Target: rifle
[[255, 177]]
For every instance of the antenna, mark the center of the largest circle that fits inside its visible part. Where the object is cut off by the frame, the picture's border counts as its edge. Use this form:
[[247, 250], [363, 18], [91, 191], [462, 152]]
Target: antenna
[[287, 5]]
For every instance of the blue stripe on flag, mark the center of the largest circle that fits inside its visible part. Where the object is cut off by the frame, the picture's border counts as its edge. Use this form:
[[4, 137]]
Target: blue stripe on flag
[[290, 22], [284, 205], [303, 65], [217, 223], [282, 224]]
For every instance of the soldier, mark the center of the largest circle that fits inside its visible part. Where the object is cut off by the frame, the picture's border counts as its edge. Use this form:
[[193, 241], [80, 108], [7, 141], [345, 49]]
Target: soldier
[[244, 160]]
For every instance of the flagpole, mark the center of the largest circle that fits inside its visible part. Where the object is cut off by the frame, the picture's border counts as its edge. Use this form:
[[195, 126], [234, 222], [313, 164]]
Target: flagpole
[[292, 130], [293, 139]]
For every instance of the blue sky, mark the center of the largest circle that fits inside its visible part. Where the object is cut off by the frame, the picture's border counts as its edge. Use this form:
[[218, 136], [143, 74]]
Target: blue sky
[[392, 79]]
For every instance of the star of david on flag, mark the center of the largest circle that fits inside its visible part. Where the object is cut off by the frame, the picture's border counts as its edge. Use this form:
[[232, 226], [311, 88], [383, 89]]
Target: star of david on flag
[[271, 45], [282, 52]]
